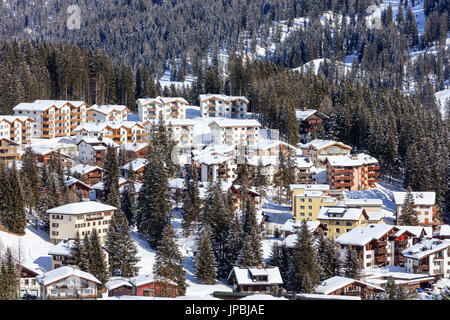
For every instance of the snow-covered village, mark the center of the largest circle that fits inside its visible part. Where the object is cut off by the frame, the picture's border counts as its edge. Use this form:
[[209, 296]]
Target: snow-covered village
[[243, 173]]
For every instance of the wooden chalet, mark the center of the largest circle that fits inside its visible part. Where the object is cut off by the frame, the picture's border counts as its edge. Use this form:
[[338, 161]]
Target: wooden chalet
[[119, 287], [8, 150], [349, 287], [255, 279]]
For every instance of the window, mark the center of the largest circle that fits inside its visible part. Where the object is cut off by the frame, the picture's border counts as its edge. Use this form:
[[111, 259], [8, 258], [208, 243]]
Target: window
[[309, 200], [302, 200], [310, 207], [310, 214], [338, 230]]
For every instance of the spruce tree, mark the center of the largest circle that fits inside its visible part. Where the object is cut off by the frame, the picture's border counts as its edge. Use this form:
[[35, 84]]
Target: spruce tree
[[305, 273], [204, 260], [391, 288], [29, 175], [97, 265], [169, 261], [251, 254], [408, 215], [351, 266], [233, 245], [111, 178], [191, 201], [13, 215]]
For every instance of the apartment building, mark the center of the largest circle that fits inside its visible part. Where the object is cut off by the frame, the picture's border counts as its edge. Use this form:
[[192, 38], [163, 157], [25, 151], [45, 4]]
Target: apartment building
[[352, 172], [119, 132], [424, 204], [318, 150], [106, 113], [341, 219], [170, 107], [83, 217], [371, 243], [219, 105], [235, 132], [93, 151], [9, 150], [16, 128], [430, 256], [53, 118]]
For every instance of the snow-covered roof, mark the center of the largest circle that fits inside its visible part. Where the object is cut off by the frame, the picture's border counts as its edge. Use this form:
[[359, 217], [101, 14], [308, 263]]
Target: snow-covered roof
[[262, 296], [135, 164], [222, 97], [116, 283], [244, 275], [64, 272], [363, 202], [210, 159], [339, 213], [81, 208], [360, 236], [375, 216], [380, 276], [144, 279], [99, 185], [179, 122], [62, 248], [444, 231], [84, 169], [134, 147], [315, 187], [415, 230], [320, 144], [107, 109], [71, 180], [290, 225], [304, 114], [351, 160], [11, 119], [97, 127], [42, 105], [420, 198], [335, 283], [161, 100], [425, 248], [176, 183], [232, 123], [265, 144]]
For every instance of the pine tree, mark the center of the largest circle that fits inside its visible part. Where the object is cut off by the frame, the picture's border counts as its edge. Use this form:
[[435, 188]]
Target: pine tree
[[169, 261], [261, 181], [351, 265], [122, 250], [4, 285], [13, 215], [111, 178], [233, 245], [191, 201], [78, 254], [251, 254], [97, 265], [305, 273], [29, 175], [391, 288], [408, 215], [204, 260]]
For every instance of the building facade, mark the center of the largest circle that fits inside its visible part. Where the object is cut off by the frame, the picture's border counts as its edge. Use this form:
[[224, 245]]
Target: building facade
[[218, 105]]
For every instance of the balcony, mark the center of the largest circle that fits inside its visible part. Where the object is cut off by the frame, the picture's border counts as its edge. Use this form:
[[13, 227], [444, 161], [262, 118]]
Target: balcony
[[342, 185], [374, 167], [343, 177], [380, 259], [423, 268], [381, 243], [341, 171], [380, 251], [373, 174]]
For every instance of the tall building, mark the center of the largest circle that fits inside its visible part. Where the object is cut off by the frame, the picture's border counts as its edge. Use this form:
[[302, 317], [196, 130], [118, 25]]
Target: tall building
[[170, 107], [219, 105]]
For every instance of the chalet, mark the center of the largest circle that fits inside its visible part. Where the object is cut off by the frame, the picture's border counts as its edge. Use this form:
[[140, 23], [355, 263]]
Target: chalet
[[82, 217], [318, 150], [291, 227], [310, 121], [78, 187], [135, 150], [351, 287], [119, 287], [430, 256], [9, 150], [67, 283], [255, 279], [352, 172], [254, 196], [371, 244], [216, 164], [93, 150], [138, 166], [61, 253], [271, 148], [340, 219], [104, 113], [404, 238], [147, 285], [87, 173], [424, 204], [27, 280], [44, 154]]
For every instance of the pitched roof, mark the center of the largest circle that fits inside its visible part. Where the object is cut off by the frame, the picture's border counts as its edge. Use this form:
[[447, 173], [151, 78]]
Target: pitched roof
[[340, 213], [335, 283], [360, 236], [107, 109], [320, 144], [222, 97], [135, 164], [81, 208], [232, 123], [84, 169], [420, 198], [244, 275], [304, 114], [64, 272], [351, 160], [425, 248], [144, 279], [161, 100]]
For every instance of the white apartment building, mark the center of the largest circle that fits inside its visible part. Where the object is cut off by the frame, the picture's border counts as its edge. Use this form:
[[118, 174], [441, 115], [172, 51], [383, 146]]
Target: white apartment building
[[424, 204], [53, 118], [430, 256], [170, 107], [105, 113], [83, 217], [235, 132], [93, 151], [219, 105], [216, 163], [119, 132], [16, 128]]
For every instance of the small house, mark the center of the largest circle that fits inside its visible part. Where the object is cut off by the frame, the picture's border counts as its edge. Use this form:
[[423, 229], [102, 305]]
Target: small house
[[255, 279]]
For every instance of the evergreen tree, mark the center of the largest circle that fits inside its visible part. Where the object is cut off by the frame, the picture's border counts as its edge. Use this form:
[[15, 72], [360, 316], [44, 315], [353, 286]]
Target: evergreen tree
[[13, 212], [391, 288], [408, 215], [305, 273], [111, 178], [204, 260], [169, 261], [233, 245], [122, 250], [97, 265], [351, 265], [79, 254], [29, 175], [191, 201]]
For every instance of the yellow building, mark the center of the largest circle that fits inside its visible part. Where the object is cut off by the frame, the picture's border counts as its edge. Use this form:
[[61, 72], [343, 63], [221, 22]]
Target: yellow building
[[307, 199], [341, 219]]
